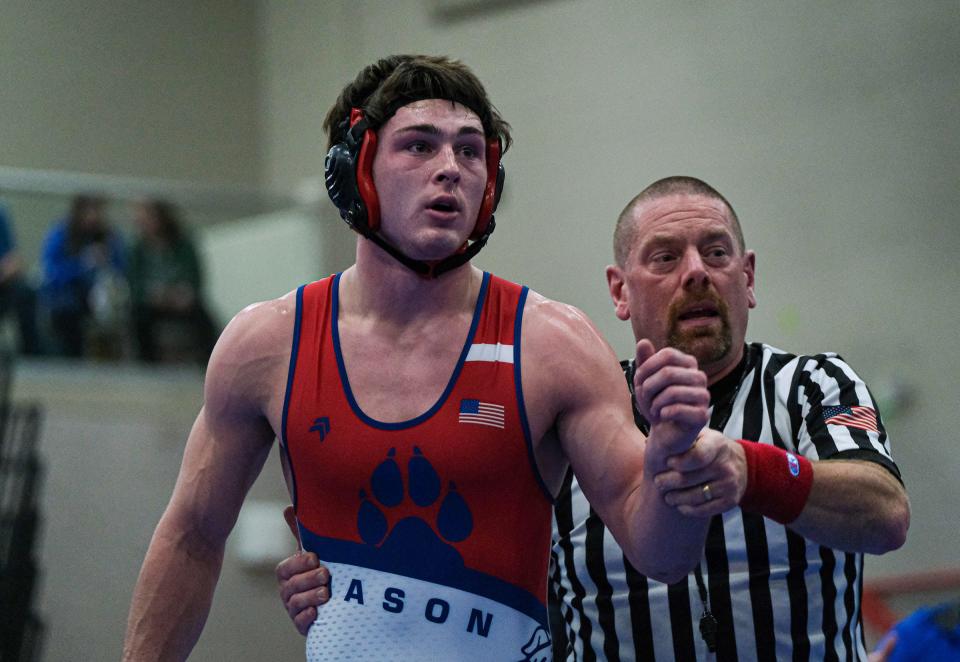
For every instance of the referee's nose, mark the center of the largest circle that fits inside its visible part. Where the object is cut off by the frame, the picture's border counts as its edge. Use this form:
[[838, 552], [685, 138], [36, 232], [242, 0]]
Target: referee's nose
[[695, 276]]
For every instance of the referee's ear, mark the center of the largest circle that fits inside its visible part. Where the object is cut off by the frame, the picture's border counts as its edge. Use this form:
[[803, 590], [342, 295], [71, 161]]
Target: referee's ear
[[750, 273], [618, 292]]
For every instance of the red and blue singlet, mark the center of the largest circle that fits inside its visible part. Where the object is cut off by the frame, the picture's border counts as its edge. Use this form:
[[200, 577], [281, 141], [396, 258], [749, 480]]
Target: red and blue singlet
[[436, 530]]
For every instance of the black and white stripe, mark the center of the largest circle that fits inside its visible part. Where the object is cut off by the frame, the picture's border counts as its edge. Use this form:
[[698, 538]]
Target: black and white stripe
[[775, 595]]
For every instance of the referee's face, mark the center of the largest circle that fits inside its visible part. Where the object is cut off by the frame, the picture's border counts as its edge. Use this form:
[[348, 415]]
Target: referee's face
[[686, 283]]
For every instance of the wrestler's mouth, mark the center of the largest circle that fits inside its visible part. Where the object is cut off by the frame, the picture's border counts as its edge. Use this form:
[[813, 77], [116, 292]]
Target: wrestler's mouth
[[444, 203]]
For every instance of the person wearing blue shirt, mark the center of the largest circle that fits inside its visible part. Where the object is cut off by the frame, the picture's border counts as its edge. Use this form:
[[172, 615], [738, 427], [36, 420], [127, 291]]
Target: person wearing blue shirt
[[76, 252], [929, 633]]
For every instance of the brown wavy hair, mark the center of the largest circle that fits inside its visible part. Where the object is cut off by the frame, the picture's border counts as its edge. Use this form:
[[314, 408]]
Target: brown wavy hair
[[384, 86]]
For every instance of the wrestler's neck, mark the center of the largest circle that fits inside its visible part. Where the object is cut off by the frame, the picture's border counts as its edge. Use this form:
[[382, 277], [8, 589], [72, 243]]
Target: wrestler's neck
[[378, 285]]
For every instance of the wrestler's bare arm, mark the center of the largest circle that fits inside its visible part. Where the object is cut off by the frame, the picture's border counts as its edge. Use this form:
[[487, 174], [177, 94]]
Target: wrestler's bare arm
[[575, 393], [225, 452]]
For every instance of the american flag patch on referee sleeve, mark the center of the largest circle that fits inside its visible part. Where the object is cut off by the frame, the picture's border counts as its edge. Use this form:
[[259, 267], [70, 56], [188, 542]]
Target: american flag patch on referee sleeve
[[863, 418], [476, 412]]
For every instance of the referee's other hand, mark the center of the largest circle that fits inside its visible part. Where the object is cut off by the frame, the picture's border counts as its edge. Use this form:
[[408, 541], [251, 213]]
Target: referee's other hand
[[304, 582], [706, 480]]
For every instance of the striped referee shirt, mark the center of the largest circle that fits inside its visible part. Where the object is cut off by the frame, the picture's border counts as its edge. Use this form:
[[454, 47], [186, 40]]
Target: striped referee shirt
[[774, 594]]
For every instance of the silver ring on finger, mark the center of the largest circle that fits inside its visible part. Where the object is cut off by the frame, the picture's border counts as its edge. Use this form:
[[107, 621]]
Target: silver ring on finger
[[707, 496]]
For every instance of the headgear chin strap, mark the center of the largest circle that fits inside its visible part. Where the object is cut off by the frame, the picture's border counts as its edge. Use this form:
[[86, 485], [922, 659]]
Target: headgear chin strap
[[348, 171]]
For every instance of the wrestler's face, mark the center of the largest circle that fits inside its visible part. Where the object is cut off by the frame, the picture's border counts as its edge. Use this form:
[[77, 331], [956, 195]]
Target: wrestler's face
[[430, 174], [686, 283]]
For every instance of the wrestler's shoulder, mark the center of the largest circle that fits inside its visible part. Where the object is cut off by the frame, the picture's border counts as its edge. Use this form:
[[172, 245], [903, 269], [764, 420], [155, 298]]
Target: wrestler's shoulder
[[257, 338], [561, 338], [548, 320]]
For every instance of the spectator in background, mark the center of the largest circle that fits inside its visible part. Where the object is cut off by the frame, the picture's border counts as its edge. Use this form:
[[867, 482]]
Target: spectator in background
[[81, 255], [16, 294], [166, 286], [929, 633]]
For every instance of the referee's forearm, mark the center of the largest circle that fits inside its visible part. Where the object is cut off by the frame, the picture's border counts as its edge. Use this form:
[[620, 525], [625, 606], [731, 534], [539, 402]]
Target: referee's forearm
[[855, 506]]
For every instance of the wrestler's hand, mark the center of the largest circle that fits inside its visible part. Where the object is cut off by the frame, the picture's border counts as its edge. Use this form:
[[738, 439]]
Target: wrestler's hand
[[671, 393], [708, 479], [304, 582]]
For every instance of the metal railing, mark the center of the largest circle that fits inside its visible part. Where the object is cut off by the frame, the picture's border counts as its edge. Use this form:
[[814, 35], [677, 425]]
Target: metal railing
[[21, 473]]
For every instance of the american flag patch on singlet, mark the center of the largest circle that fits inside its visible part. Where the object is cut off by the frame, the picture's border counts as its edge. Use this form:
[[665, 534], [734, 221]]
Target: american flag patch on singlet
[[481, 413]]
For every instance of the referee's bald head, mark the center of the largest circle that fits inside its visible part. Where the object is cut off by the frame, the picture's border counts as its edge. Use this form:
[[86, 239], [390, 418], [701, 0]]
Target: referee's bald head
[[624, 235]]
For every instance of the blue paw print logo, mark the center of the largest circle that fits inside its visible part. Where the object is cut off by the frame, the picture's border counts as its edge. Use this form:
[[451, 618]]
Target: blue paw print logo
[[452, 520]]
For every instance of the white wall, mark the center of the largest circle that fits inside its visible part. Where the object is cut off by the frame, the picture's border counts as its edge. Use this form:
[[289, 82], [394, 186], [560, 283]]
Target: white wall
[[139, 88], [259, 258]]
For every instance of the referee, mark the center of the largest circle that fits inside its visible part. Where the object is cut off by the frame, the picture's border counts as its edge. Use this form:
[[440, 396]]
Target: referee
[[808, 486], [764, 589]]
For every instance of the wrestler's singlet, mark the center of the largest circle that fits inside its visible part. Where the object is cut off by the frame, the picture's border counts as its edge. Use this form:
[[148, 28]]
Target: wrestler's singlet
[[436, 530]]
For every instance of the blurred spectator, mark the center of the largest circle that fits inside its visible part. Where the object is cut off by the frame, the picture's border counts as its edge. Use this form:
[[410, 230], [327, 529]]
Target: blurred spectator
[[166, 279], [83, 264], [930, 634], [16, 294]]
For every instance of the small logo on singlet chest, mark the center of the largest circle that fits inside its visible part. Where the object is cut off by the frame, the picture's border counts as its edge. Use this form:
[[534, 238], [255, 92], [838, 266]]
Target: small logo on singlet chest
[[322, 426]]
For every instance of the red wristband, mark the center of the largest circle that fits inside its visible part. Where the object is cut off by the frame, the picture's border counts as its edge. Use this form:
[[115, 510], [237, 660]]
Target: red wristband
[[778, 482]]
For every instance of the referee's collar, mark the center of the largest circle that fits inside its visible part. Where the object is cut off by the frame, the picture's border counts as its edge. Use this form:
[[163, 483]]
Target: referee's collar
[[721, 390]]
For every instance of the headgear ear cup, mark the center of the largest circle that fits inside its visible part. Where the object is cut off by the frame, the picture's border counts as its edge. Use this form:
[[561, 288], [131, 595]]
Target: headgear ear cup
[[340, 178], [492, 191], [348, 175], [368, 192]]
